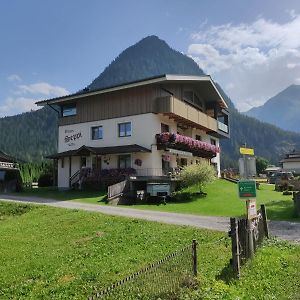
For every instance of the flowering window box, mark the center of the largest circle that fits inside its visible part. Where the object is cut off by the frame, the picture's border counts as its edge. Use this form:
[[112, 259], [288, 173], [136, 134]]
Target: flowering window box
[[181, 142]]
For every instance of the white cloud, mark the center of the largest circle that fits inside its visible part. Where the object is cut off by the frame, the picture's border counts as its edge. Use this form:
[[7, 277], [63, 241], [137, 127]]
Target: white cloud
[[12, 106], [25, 96], [43, 88], [258, 59], [14, 77]]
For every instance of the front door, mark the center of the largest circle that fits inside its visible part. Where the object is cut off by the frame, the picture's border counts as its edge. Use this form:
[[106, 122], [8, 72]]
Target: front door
[[165, 167]]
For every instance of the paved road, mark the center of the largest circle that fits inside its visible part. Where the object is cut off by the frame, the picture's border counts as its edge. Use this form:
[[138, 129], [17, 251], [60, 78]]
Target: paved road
[[282, 229]]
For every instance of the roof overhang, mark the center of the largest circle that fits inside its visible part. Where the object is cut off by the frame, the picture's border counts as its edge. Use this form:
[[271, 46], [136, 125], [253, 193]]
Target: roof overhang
[[85, 151], [209, 88]]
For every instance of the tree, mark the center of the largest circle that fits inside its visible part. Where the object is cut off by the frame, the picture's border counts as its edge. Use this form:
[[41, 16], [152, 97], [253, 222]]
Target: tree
[[261, 164], [198, 175]]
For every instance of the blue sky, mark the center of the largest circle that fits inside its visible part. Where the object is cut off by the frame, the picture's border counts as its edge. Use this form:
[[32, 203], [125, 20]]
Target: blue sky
[[51, 48]]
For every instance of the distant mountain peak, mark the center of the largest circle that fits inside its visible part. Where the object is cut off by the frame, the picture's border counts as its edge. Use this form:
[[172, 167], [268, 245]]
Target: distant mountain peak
[[282, 110], [149, 57]]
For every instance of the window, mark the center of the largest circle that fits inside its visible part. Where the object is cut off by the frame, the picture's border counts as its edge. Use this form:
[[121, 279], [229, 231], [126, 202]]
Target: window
[[97, 133], [62, 162], [124, 161], [198, 137], [124, 129], [68, 110], [165, 128], [213, 142], [191, 97]]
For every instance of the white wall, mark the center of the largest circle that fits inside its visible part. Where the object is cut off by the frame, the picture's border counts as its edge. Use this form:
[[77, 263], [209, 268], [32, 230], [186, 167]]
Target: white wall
[[291, 165], [143, 130], [63, 173]]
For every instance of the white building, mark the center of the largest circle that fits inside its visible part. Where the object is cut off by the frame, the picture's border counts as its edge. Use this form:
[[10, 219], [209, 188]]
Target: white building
[[120, 127], [291, 162]]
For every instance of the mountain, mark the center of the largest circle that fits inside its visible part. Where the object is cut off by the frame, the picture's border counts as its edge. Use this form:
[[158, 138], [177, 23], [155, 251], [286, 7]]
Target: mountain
[[29, 136], [33, 135], [149, 57], [282, 110], [267, 140]]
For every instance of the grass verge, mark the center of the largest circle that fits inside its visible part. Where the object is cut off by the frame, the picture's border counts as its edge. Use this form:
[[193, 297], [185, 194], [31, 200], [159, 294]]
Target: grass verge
[[51, 253]]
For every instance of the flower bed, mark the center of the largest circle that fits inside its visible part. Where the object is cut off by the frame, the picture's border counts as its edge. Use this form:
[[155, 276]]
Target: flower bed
[[167, 138]]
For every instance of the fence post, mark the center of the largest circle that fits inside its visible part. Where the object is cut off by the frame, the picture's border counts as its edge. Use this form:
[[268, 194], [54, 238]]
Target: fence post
[[235, 246], [194, 254], [250, 243], [264, 217]]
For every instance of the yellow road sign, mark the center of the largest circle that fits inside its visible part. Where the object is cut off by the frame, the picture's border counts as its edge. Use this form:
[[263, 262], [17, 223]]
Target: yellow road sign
[[248, 151]]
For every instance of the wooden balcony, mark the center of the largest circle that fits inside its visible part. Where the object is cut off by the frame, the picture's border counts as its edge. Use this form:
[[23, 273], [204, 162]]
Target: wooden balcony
[[185, 114]]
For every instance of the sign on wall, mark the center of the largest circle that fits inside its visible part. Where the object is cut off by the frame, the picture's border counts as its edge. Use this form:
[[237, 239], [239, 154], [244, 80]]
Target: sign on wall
[[71, 136]]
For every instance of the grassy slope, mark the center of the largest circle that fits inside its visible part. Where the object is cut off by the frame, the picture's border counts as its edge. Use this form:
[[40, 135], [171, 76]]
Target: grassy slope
[[49, 253], [221, 200]]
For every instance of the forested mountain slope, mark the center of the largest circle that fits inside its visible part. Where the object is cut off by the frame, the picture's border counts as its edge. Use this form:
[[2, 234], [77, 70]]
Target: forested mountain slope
[[29, 136]]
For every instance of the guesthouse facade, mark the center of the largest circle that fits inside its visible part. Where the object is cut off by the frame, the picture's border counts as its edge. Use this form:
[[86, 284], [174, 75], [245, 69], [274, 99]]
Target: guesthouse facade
[[145, 129]]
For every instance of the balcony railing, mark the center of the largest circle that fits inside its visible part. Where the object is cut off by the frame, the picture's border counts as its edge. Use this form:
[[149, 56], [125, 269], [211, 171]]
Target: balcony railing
[[223, 127], [185, 143], [8, 165]]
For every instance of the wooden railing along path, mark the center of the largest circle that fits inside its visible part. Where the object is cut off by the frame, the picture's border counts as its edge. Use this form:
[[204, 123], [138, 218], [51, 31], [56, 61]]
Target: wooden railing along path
[[117, 189]]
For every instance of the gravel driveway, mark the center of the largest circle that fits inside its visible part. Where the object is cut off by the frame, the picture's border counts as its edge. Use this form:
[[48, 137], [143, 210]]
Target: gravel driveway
[[282, 229]]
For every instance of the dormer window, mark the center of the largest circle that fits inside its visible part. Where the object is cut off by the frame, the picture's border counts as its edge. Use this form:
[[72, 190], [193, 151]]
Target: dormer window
[[68, 110]]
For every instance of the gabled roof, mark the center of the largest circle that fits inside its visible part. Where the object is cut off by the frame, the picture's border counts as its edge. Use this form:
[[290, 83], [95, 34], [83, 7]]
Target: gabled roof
[[206, 79]]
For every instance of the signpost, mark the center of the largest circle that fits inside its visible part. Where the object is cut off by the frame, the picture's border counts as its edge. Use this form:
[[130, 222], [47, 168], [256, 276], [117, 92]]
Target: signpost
[[246, 151], [247, 189]]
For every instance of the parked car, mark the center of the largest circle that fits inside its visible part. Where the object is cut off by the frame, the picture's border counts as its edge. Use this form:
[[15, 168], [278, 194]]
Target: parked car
[[281, 176]]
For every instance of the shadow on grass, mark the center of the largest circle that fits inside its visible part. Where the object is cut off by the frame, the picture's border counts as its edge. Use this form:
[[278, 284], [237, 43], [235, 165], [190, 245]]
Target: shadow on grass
[[282, 210], [65, 195], [182, 198], [227, 274]]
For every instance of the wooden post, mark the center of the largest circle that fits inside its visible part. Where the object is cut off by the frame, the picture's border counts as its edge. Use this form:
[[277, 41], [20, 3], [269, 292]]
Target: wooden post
[[265, 220], [250, 240], [194, 254], [235, 246], [296, 199]]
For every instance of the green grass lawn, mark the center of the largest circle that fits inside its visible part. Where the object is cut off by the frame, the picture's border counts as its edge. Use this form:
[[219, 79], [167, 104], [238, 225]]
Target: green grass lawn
[[51, 253], [221, 200]]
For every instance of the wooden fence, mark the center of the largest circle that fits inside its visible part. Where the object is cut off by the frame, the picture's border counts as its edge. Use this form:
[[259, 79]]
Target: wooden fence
[[246, 236]]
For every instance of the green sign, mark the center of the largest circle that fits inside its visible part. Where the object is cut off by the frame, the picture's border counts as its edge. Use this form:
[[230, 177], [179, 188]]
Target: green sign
[[247, 189]]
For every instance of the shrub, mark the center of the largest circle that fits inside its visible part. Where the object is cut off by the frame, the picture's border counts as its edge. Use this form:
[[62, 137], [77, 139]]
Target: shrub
[[45, 180], [198, 175]]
